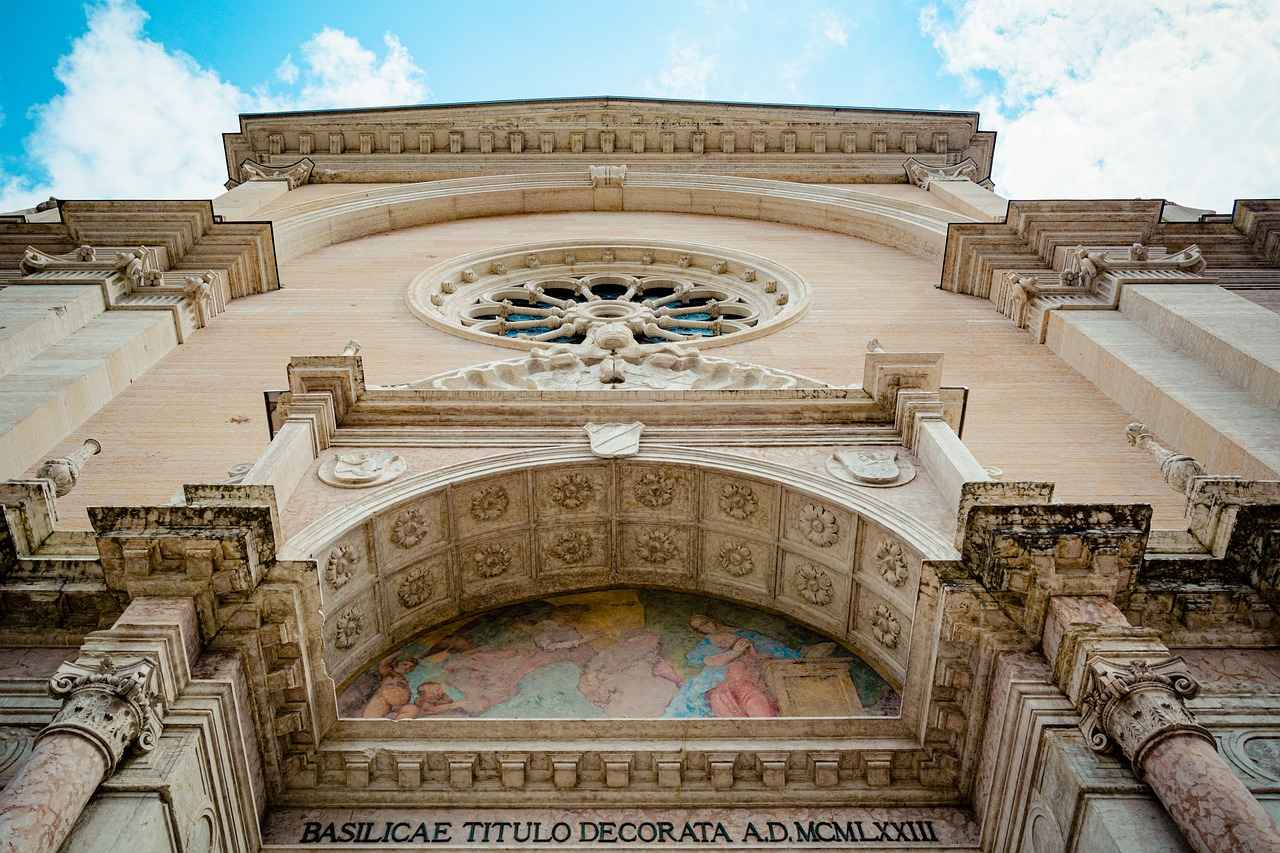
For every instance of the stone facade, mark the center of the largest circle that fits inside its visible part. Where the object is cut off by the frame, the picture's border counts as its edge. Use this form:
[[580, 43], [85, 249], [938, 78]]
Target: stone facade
[[760, 352]]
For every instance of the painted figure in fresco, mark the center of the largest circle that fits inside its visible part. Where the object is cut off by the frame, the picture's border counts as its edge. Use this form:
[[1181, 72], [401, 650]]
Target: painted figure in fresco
[[630, 678], [393, 691], [731, 683], [432, 698]]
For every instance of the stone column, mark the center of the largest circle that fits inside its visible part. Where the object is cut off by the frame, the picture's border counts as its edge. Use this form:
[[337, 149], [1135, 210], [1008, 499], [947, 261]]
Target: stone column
[[107, 707], [1132, 695]]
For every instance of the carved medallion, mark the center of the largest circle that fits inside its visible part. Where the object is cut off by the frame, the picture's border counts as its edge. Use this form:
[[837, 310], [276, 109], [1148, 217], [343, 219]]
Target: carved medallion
[[491, 560], [341, 565], [819, 525], [735, 559], [490, 503], [657, 546], [892, 562], [572, 491], [885, 626], [572, 547], [350, 627], [409, 528], [738, 501], [875, 468], [814, 584], [415, 588], [612, 441], [361, 469], [655, 489]]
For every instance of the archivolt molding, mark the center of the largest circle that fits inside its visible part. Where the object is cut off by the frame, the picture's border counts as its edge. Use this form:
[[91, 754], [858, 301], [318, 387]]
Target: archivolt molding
[[534, 294], [915, 228]]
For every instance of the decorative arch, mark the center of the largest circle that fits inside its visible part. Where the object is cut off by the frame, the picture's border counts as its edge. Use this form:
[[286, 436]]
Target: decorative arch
[[466, 539], [915, 228]]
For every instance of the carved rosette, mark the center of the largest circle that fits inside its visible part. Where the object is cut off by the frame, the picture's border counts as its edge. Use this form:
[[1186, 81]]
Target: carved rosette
[[341, 566], [655, 489], [1136, 704], [490, 503], [349, 628], [572, 547], [885, 626], [738, 501], [814, 584], [571, 491], [414, 588], [409, 528], [657, 547], [819, 525], [491, 560], [892, 562], [735, 559], [111, 705]]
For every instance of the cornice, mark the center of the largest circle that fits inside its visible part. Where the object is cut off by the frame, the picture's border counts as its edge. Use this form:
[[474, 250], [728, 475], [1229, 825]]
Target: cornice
[[433, 142]]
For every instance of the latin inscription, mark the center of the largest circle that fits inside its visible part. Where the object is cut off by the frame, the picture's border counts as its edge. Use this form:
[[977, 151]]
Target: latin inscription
[[656, 832]]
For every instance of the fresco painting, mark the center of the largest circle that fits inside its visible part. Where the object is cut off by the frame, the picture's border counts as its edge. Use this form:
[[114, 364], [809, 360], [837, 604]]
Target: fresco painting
[[620, 654]]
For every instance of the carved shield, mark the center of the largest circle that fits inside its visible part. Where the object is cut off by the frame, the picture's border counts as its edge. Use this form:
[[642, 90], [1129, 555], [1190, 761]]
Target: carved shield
[[878, 467], [611, 441], [358, 467]]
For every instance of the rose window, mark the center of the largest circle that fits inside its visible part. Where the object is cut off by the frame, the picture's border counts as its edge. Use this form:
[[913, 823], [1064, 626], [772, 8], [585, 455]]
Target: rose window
[[562, 309], [543, 295]]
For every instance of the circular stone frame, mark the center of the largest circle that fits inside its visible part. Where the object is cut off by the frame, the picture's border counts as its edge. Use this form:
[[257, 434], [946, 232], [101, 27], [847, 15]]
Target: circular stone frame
[[441, 294]]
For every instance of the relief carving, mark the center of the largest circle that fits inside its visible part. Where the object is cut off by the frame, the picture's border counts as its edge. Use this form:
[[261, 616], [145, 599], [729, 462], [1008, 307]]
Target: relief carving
[[359, 469], [819, 525], [349, 628], [490, 503], [572, 547], [885, 626], [1136, 704], [657, 546], [814, 584], [491, 560], [111, 705], [892, 562], [415, 588], [738, 501], [736, 560], [341, 565], [572, 491], [655, 489], [409, 528]]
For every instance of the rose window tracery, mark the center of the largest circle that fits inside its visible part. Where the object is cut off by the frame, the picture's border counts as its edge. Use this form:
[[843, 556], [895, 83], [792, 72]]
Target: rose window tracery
[[557, 294]]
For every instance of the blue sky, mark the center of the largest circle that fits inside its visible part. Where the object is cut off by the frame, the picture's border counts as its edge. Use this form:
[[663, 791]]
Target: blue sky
[[1091, 98]]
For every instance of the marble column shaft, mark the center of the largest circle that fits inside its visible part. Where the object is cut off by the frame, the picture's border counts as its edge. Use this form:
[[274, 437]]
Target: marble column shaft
[[43, 801], [1212, 807]]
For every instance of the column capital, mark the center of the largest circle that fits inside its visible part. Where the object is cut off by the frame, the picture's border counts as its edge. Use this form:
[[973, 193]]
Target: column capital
[[111, 703], [295, 174], [1137, 703]]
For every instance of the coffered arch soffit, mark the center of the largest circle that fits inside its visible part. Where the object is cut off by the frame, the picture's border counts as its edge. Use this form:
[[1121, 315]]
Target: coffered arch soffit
[[435, 547], [915, 228]]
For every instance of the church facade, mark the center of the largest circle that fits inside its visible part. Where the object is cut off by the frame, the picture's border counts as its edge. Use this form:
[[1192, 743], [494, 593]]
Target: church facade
[[607, 472]]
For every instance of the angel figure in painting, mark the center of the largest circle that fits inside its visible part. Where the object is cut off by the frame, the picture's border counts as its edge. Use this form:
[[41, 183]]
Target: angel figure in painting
[[393, 690]]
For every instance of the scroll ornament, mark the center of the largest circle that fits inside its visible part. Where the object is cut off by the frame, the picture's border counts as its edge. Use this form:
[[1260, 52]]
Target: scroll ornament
[[1134, 705], [111, 705]]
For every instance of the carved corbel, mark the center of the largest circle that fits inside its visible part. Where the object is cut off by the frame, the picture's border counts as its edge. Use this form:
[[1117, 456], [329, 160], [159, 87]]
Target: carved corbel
[[296, 174], [1178, 470], [922, 174], [111, 705], [607, 176], [1136, 704]]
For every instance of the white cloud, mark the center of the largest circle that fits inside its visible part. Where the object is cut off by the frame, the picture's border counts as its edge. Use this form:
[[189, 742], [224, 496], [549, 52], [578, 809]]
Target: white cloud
[[1094, 99], [833, 28], [286, 71], [687, 73], [138, 120]]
